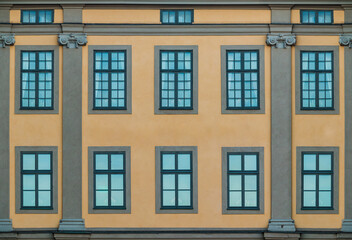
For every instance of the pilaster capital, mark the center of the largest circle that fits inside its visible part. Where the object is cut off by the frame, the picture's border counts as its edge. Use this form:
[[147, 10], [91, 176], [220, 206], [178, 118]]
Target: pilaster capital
[[280, 40], [346, 40], [73, 40], [7, 39]]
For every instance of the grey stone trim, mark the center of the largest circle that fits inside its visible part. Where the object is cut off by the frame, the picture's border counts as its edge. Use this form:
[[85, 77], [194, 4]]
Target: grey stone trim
[[157, 49], [224, 109], [5, 13], [7, 39], [281, 225], [282, 236], [91, 151], [56, 79], [281, 141], [5, 226], [299, 151], [348, 13], [55, 185], [280, 13], [281, 40], [71, 225], [336, 85], [72, 140], [72, 12], [158, 151], [347, 222], [224, 152], [73, 40], [128, 49], [346, 40], [5, 222]]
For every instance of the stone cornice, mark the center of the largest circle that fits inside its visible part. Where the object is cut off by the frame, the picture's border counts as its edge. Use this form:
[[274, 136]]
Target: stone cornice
[[346, 40], [7, 39], [72, 40], [281, 40]]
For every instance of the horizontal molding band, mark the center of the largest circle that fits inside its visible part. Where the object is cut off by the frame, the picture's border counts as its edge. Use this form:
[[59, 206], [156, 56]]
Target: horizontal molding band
[[181, 2], [158, 29]]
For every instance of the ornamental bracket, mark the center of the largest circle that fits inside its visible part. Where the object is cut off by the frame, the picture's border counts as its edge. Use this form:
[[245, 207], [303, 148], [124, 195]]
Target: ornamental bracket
[[7, 39], [280, 40], [346, 40], [73, 40]]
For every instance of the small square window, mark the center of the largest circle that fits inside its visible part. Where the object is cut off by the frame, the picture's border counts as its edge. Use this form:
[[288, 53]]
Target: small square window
[[176, 16], [37, 16], [316, 16]]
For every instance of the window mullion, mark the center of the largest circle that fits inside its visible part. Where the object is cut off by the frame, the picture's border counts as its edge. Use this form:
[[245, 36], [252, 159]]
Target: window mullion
[[109, 79], [317, 80], [242, 79], [176, 79]]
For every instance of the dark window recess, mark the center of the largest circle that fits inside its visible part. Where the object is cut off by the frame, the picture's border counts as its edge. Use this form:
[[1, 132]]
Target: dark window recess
[[317, 81], [109, 180], [37, 86], [110, 80], [176, 180], [317, 16], [176, 77], [176, 16], [243, 181], [242, 74], [37, 16], [317, 180], [36, 180]]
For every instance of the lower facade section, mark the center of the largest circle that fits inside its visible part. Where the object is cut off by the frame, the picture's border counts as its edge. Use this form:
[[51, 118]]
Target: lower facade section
[[173, 234]]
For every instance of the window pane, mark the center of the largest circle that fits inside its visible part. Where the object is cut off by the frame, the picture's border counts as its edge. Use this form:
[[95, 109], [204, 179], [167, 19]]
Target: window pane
[[44, 161], [44, 182], [101, 181], [235, 182], [235, 163], [28, 182], [184, 181], [101, 198], [184, 161], [325, 182], [117, 198], [44, 198], [309, 182], [235, 199], [325, 199], [309, 162], [325, 162], [309, 199], [28, 198], [184, 198], [250, 182], [101, 161], [169, 198], [116, 161], [168, 161], [28, 161], [250, 162], [117, 182], [169, 181], [250, 199]]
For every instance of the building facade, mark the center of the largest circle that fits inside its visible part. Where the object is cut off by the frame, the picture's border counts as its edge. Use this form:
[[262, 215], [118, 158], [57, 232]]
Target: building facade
[[176, 119]]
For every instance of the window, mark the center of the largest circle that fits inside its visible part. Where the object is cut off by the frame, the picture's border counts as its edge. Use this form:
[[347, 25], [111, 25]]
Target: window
[[110, 79], [176, 80], [243, 180], [317, 16], [317, 80], [36, 179], [317, 180], [317, 171], [176, 16], [37, 16], [109, 179], [242, 79], [176, 180], [37, 80]]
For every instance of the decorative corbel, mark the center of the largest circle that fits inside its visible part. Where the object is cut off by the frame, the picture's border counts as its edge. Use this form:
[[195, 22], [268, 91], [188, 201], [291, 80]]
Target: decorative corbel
[[346, 40], [72, 40], [280, 40], [7, 39]]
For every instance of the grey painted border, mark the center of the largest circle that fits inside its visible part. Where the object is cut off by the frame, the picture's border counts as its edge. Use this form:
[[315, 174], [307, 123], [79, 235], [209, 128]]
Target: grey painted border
[[225, 151], [18, 150], [128, 49], [157, 49], [158, 151], [56, 79], [224, 48], [299, 151], [91, 151], [336, 70]]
